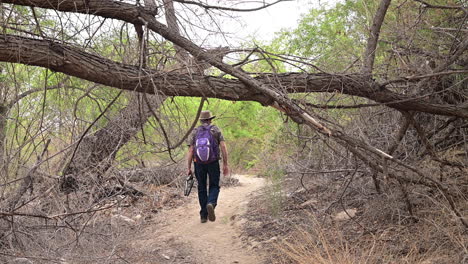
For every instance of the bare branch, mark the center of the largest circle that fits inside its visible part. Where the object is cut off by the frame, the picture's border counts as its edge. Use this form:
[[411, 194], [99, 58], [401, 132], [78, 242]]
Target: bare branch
[[420, 77], [35, 90], [230, 8], [429, 5]]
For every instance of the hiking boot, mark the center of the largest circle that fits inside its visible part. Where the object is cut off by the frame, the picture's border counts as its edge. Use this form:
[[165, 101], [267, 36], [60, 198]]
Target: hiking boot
[[203, 220], [211, 212]]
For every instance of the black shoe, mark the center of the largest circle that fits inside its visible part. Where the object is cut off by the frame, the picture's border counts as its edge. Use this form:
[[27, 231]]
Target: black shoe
[[203, 220], [211, 212]]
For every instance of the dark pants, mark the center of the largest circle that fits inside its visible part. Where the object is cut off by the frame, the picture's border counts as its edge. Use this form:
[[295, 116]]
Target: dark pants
[[213, 172]]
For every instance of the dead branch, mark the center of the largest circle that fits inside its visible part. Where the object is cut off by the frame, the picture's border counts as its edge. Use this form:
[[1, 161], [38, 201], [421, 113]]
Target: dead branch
[[405, 122]]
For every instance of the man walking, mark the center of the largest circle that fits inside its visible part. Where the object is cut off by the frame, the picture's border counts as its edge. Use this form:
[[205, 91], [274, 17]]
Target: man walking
[[205, 144]]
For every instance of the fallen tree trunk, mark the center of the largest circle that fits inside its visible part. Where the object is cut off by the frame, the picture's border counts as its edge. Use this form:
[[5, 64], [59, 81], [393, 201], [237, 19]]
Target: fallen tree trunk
[[75, 62]]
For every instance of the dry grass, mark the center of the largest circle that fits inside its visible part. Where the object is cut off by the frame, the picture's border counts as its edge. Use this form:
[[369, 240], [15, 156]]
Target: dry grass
[[315, 246], [382, 231], [319, 244]]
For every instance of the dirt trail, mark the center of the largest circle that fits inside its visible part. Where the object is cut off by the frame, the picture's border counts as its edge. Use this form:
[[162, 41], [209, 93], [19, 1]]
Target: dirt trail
[[186, 240]]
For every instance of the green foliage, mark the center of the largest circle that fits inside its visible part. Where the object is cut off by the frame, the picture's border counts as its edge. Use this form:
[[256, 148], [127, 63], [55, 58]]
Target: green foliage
[[246, 126], [249, 126], [330, 36], [334, 38]]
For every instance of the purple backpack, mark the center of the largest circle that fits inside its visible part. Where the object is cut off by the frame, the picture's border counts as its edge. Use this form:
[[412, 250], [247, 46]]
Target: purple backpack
[[206, 147]]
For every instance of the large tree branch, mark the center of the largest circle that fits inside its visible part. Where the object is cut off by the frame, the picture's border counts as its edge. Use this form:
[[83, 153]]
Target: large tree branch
[[369, 55], [104, 8], [171, 20], [75, 62]]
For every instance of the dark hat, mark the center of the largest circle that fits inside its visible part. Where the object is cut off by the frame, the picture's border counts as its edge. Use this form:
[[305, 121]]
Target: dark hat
[[206, 115]]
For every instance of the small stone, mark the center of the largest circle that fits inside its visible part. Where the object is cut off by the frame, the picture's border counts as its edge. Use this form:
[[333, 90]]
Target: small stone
[[345, 215], [166, 257], [137, 217], [272, 239], [254, 245], [124, 218], [310, 202]]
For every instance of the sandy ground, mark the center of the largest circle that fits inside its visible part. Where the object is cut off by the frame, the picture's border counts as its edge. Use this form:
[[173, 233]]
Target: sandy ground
[[179, 237]]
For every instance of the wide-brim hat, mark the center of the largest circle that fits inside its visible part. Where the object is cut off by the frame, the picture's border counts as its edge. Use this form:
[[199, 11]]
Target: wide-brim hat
[[206, 115]]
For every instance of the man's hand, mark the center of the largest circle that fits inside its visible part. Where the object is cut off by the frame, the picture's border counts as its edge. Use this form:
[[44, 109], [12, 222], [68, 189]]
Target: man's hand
[[225, 169], [189, 171]]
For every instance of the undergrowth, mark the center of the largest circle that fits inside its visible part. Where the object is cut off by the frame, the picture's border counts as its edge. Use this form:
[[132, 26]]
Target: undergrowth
[[295, 219]]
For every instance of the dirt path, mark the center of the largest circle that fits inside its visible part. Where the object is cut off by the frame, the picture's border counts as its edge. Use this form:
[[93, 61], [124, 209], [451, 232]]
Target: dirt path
[[186, 240]]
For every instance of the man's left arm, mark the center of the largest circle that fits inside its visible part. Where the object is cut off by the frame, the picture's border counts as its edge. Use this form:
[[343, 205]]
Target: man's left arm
[[224, 151]]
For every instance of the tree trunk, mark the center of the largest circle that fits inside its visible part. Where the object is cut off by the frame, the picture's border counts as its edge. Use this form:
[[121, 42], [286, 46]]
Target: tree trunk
[[96, 152], [3, 113]]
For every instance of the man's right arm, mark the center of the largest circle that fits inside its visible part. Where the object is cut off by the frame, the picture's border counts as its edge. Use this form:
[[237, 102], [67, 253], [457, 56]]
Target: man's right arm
[[189, 159], [190, 143]]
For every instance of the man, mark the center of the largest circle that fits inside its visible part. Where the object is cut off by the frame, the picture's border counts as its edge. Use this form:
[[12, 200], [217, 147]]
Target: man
[[205, 157]]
